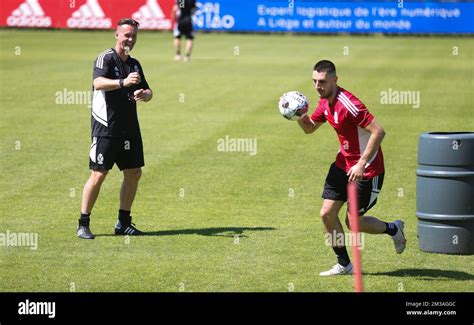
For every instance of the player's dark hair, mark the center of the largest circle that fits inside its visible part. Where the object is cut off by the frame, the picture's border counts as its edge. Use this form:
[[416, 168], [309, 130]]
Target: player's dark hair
[[128, 21], [325, 66]]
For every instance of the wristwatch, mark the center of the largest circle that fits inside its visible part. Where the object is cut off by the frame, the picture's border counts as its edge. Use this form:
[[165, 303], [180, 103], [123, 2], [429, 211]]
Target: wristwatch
[[121, 83]]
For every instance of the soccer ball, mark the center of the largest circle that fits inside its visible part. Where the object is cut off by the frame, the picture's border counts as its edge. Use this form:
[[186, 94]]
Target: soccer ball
[[293, 105]]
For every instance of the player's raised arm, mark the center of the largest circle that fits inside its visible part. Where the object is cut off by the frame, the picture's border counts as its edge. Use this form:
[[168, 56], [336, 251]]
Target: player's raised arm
[[307, 125]]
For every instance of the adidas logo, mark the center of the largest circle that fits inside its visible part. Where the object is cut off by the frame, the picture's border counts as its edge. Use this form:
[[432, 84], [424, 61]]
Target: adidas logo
[[29, 14], [89, 15], [150, 16]]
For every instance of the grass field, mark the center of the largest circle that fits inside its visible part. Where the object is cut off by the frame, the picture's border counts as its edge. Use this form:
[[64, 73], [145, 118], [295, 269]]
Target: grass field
[[220, 221]]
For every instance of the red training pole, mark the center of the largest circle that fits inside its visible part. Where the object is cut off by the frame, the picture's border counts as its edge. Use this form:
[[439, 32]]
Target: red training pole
[[353, 216]]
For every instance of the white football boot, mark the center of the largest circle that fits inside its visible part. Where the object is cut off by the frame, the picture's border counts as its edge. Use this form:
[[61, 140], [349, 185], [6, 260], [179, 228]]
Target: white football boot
[[338, 269], [399, 240]]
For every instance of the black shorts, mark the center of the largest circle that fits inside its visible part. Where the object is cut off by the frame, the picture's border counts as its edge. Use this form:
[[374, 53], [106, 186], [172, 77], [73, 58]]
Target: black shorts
[[335, 188], [184, 27], [127, 153]]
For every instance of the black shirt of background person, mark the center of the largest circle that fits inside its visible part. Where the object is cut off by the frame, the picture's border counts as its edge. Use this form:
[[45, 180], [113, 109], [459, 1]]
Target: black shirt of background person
[[186, 8]]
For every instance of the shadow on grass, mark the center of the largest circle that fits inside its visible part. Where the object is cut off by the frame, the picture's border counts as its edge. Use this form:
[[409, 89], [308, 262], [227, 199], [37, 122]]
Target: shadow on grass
[[428, 274], [222, 232]]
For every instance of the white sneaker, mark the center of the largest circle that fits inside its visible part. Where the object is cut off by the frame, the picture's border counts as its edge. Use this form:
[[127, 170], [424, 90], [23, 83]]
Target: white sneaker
[[399, 240], [177, 57], [338, 269]]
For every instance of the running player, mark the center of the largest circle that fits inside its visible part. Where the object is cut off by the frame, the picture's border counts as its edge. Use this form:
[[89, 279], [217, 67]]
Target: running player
[[359, 159]]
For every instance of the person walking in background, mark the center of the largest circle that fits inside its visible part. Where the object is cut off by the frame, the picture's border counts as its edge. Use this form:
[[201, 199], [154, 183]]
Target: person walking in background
[[182, 14]]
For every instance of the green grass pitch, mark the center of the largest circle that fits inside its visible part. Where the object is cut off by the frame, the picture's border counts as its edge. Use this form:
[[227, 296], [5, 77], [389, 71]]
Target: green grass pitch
[[222, 221]]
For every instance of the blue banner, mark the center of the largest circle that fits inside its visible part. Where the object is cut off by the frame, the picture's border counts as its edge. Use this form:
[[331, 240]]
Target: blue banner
[[335, 17]]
